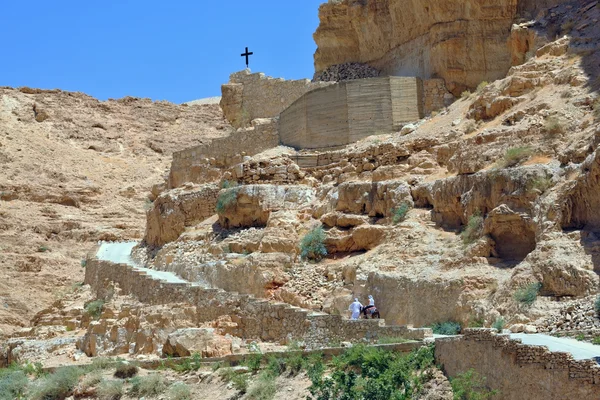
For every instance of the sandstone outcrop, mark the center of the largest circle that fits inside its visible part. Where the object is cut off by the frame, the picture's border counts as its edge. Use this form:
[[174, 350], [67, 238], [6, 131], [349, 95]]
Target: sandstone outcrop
[[251, 205], [177, 209], [462, 42], [203, 341]]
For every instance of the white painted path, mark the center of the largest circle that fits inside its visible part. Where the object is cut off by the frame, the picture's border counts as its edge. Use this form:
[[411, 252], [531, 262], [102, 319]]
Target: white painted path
[[579, 350], [120, 253]]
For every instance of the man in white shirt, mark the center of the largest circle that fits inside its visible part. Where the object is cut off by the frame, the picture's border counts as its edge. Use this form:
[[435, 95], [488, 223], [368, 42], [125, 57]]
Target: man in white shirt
[[355, 307]]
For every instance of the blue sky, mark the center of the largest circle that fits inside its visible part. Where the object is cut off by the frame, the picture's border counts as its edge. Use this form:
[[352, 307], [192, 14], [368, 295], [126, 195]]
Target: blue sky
[[174, 50]]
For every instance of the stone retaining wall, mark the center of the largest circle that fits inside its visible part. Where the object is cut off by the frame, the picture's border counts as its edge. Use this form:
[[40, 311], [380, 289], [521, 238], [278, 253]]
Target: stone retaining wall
[[248, 96], [516, 370], [349, 111], [204, 163], [255, 318]]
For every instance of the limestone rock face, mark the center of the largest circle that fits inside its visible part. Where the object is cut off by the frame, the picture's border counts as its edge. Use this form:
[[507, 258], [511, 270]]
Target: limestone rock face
[[251, 205], [204, 341], [455, 199], [463, 42], [178, 208], [582, 201], [373, 199]]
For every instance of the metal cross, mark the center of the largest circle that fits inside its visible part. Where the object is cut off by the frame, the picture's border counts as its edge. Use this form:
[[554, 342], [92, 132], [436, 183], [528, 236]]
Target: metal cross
[[246, 54]]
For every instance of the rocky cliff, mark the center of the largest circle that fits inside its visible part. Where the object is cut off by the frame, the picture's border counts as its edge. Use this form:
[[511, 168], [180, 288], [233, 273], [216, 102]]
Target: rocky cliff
[[464, 42]]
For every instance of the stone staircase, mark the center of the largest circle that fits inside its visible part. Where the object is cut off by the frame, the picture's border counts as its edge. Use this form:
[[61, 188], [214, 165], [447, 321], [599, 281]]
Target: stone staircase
[[256, 318]]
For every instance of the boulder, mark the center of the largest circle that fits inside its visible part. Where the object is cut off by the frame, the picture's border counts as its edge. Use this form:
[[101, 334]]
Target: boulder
[[204, 341]]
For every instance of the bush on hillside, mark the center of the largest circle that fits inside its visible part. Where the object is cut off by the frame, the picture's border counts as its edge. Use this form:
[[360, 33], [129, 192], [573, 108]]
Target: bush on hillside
[[597, 306], [364, 372], [514, 156], [126, 370], [470, 386], [13, 383], [446, 328], [527, 294], [226, 199], [58, 385], [150, 385], [179, 391], [312, 245], [473, 230], [499, 324], [94, 308], [110, 390], [399, 214]]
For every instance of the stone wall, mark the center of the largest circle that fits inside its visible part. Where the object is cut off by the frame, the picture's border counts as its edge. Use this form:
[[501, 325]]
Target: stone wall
[[349, 111], [516, 370], [435, 95], [255, 318], [248, 96], [204, 163]]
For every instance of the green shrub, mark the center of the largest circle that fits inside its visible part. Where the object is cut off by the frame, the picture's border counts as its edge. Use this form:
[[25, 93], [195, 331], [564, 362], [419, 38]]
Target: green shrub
[[368, 373], [94, 308], [110, 390], [446, 328], [239, 381], [264, 388], [541, 183], [43, 249], [554, 125], [179, 391], [597, 306], [99, 363], [476, 323], [470, 386], [473, 230], [399, 214], [58, 385], [515, 155], [596, 340], [126, 370], [312, 245], [92, 379], [499, 324], [83, 263], [276, 366], [527, 294], [580, 337], [253, 361], [189, 364], [150, 385], [482, 86], [13, 383], [465, 94], [226, 199]]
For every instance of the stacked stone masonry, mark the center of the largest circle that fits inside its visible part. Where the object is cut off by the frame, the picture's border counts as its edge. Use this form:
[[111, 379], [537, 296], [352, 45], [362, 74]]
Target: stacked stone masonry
[[328, 166], [249, 96], [349, 111], [517, 370], [255, 318], [204, 163]]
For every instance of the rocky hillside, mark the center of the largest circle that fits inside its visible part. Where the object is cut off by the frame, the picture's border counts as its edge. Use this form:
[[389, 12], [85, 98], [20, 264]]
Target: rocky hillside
[[76, 170], [497, 193]]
